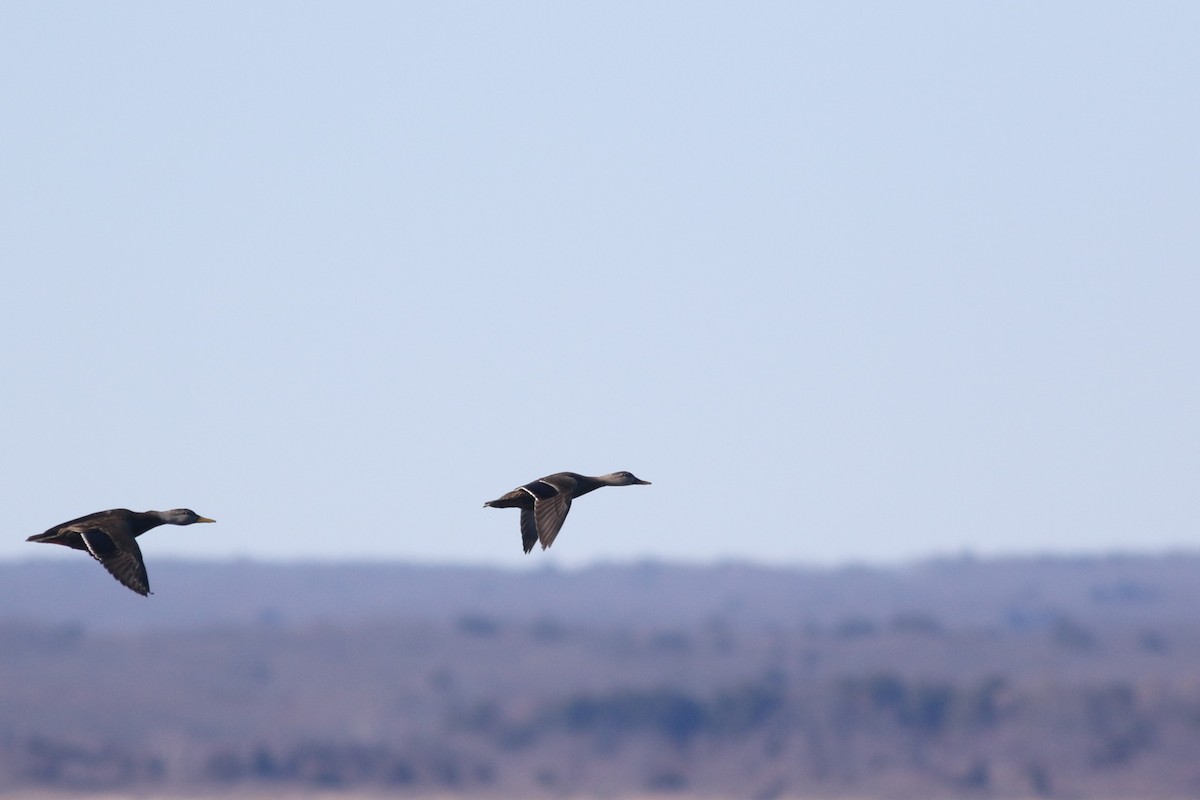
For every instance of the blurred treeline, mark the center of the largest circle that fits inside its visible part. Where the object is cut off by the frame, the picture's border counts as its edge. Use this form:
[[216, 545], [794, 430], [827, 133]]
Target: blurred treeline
[[1036, 677]]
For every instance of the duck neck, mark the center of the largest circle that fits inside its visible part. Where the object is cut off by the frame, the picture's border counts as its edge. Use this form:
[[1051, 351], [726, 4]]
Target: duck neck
[[585, 484], [146, 520]]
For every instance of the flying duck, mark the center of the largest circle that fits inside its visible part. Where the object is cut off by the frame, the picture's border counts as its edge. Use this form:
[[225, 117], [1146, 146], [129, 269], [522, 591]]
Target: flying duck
[[111, 538], [544, 503]]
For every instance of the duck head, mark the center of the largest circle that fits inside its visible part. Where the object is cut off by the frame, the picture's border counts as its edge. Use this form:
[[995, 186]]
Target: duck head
[[182, 516], [624, 478]]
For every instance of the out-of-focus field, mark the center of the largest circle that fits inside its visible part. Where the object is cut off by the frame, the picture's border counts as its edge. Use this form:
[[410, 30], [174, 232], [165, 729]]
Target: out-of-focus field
[[962, 678]]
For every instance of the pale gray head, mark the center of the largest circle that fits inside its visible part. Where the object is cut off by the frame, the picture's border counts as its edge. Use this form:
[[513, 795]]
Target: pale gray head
[[623, 478], [182, 516]]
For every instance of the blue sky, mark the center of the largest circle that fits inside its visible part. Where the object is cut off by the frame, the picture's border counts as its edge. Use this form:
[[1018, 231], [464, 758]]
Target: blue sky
[[847, 282]]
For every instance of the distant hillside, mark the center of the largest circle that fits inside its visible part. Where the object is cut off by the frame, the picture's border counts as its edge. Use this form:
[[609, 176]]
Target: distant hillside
[[958, 591], [959, 678]]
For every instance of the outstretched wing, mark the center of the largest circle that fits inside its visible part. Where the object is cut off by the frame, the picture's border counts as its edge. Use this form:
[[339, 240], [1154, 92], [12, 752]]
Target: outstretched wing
[[550, 509], [120, 556], [529, 534], [550, 514]]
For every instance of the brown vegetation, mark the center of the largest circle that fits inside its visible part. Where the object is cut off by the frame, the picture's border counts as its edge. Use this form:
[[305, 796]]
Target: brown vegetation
[[1082, 683]]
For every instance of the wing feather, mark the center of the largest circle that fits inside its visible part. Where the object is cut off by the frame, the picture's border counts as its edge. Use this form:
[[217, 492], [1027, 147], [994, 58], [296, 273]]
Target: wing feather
[[529, 534], [121, 556], [550, 513]]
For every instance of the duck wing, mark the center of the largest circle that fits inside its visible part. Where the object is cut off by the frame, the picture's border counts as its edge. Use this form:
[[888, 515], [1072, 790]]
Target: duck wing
[[529, 534], [550, 509], [550, 515], [120, 555]]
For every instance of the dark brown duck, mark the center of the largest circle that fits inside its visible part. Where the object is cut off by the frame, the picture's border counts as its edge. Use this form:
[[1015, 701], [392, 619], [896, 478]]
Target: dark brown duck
[[544, 503], [111, 538]]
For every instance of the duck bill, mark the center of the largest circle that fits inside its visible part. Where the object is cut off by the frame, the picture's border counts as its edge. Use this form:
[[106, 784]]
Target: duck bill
[[204, 519], [641, 482]]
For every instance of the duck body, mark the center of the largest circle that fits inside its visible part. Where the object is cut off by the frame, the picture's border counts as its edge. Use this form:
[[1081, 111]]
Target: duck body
[[110, 537], [544, 503]]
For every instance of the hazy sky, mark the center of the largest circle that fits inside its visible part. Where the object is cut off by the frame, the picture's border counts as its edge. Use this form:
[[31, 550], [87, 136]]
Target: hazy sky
[[846, 281]]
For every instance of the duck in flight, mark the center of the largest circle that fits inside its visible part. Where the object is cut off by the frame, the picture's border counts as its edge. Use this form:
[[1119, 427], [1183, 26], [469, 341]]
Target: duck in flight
[[111, 538], [544, 503]]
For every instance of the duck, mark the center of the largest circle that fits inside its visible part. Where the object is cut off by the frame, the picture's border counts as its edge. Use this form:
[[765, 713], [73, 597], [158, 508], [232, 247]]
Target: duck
[[111, 538], [544, 503]]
